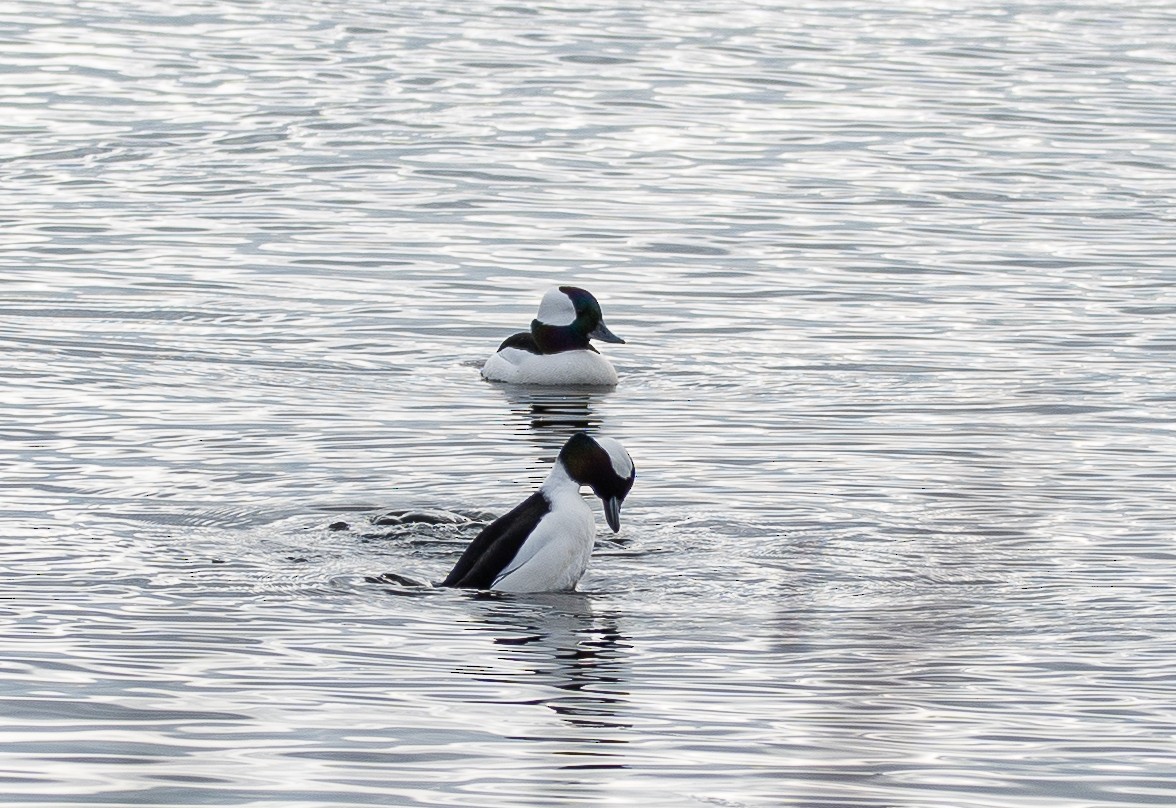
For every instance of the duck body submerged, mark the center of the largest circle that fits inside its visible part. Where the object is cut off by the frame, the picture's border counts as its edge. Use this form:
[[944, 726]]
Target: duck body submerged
[[556, 351], [544, 544]]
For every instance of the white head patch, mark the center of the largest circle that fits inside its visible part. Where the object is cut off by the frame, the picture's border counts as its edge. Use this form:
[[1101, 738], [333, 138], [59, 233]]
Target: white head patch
[[556, 308], [621, 462]]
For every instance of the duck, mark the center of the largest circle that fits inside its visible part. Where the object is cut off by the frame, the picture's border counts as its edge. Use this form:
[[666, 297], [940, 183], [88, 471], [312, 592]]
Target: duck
[[545, 542], [556, 351]]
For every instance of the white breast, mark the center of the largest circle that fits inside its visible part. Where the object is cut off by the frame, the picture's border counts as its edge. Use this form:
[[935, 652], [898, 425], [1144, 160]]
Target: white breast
[[555, 555], [569, 367]]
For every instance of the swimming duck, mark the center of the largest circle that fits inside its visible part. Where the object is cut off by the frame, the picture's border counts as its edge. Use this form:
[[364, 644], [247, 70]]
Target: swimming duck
[[543, 544], [556, 350]]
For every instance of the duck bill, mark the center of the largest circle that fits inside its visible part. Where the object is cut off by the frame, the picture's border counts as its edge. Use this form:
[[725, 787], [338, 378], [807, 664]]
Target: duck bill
[[602, 333], [612, 513]]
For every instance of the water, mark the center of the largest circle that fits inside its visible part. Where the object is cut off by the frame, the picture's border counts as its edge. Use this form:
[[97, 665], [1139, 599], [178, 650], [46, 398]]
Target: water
[[898, 290]]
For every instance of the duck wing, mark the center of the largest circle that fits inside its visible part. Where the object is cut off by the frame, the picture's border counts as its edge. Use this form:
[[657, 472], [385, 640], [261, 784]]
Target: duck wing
[[496, 546]]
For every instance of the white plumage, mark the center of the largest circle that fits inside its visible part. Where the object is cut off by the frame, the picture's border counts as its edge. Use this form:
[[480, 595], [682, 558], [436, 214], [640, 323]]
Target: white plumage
[[555, 555], [567, 368]]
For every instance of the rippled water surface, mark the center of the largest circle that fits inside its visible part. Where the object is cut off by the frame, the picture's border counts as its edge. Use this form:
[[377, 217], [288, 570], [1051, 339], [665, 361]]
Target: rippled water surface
[[899, 289]]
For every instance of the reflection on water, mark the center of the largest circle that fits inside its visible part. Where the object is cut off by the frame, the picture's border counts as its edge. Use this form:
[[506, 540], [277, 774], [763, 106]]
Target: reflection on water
[[897, 285], [571, 649], [549, 416]]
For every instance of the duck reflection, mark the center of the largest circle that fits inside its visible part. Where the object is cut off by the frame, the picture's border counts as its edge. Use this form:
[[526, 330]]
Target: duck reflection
[[548, 416], [562, 644]]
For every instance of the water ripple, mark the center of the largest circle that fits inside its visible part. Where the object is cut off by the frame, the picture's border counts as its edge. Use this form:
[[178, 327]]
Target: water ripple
[[896, 285]]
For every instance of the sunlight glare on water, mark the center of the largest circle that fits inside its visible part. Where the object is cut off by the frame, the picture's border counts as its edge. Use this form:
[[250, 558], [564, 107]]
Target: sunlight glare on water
[[897, 290]]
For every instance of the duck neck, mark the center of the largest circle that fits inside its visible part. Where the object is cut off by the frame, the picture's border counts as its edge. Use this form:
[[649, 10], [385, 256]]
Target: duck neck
[[559, 338], [559, 484]]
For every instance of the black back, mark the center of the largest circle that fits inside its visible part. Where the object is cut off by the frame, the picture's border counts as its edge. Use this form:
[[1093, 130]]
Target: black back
[[497, 545], [523, 341]]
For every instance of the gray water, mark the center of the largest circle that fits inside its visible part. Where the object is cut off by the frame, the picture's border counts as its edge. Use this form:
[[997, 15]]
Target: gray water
[[898, 284]]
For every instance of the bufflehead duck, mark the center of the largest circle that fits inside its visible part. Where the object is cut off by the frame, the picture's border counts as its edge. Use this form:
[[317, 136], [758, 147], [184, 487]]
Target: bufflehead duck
[[556, 350], [543, 545]]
